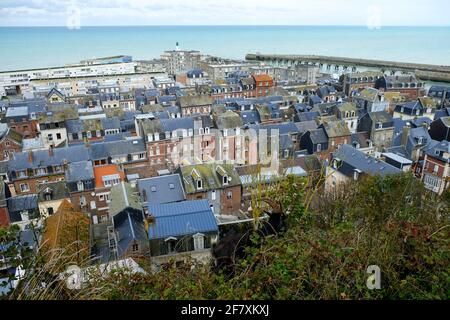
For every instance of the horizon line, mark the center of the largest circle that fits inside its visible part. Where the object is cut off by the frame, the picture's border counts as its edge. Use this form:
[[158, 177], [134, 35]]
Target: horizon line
[[227, 25]]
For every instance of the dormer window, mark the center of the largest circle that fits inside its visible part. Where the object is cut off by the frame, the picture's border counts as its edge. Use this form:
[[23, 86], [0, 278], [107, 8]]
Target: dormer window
[[380, 125], [80, 186], [417, 112], [225, 179], [199, 184], [356, 174], [402, 109], [199, 241], [319, 147]]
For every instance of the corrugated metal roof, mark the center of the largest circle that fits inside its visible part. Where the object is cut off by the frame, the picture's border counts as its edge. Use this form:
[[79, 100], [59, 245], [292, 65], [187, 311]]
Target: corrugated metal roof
[[181, 218]]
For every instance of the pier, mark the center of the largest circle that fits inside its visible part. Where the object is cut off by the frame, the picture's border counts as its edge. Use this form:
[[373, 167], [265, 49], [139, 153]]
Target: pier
[[426, 72]]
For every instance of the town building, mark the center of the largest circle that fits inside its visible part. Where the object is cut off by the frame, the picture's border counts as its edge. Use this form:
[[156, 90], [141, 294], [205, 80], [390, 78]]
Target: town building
[[436, 167], [349, 164]]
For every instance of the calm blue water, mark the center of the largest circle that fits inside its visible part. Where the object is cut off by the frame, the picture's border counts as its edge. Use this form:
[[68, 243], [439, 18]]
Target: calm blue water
[[22, 47]]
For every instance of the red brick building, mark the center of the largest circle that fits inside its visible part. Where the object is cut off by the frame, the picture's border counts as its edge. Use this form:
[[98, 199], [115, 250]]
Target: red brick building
[[436, 168], [264, 84]]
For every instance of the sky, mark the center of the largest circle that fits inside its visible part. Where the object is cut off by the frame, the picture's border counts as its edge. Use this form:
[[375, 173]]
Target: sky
[[77, 13]]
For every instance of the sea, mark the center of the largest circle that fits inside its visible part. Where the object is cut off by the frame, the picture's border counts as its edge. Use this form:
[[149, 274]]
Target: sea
[[35, 47]]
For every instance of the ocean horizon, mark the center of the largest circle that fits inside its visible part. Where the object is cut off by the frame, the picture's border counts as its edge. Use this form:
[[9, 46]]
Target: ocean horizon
[[36, 47]]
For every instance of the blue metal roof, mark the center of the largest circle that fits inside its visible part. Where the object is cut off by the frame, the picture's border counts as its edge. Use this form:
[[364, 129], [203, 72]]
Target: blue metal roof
[[181, 218]]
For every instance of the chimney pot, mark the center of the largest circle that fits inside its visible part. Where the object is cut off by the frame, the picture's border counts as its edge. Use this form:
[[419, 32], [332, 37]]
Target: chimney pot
[[30, 156]]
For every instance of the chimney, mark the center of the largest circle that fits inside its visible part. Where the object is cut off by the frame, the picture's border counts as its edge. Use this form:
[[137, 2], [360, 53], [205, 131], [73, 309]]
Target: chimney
[[30, 156], [405, 134]]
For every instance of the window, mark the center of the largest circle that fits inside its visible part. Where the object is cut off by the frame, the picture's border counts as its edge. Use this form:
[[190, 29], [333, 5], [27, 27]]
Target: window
[[80, 186], [199, 242], [58, 136], [436, 168], [171, 244], [199, 184], [213, 195], [50, 137], [24, 187], [135, 247], [225, 179], [229, 195], [50, 211], [48, 197], [82, 201], [319, 147]]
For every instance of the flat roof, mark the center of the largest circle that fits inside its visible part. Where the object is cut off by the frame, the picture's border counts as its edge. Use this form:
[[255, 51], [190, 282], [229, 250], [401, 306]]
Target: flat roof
[[397, 158]]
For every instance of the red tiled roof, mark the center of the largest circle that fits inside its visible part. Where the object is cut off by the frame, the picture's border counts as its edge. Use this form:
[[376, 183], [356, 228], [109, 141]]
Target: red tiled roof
[[100, 172], [262, 77]]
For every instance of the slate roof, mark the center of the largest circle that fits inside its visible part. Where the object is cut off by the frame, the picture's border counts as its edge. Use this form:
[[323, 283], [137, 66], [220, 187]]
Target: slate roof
[[354, 159], [306, 126], [250, 117], [192, 101], [129, 225], [381, 116], [361, 138], [228, 120], [163, 189], [110, 123], [445, 112], [81, 170], [307, 116], [438, 149], [57, 189], [326, 90], [318, 136], [123, 196], [210, 176], [177, 124], [116, 148], [194, 72], [21, 203], [315, 100], [369, 94], [335, 128], [42, 158], [181, 218]]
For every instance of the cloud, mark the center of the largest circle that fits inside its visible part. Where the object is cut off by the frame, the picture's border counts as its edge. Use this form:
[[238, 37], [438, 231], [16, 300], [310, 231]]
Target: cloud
[[200, 12]]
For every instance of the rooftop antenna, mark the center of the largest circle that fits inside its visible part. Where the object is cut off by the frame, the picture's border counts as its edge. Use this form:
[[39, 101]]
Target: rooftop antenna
[[177, 47]]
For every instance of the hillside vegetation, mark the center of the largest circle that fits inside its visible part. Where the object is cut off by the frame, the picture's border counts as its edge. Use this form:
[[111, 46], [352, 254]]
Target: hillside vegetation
[[390, 222]]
